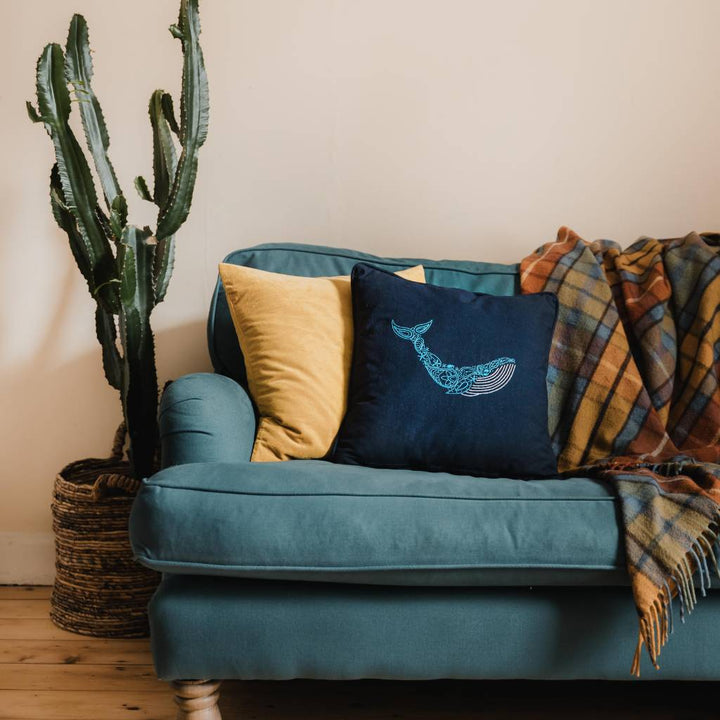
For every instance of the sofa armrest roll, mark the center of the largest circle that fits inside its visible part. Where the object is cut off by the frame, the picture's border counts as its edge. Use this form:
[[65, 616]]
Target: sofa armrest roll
[[205, 418]]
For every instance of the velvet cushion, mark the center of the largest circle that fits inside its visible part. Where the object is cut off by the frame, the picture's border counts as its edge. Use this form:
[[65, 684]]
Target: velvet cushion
[[447, 380], [296, 337]]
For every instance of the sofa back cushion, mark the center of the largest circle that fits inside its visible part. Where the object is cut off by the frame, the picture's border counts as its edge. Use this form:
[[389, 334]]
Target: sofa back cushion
[[319, 261]]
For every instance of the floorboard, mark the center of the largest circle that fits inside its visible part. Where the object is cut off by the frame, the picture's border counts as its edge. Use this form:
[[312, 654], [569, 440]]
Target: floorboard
[[32, 629], [93, 678], [50, 674], [78, 651], [80, 705]]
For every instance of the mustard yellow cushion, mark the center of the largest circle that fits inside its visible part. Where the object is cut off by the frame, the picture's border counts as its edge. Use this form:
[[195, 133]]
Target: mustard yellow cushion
[[296, 335]]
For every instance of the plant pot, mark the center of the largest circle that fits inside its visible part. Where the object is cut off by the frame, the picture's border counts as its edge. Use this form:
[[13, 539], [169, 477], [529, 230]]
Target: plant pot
[[100, 589]]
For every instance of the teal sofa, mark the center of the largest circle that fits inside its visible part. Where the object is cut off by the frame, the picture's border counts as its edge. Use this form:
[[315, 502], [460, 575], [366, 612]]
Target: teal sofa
[[307, 569]]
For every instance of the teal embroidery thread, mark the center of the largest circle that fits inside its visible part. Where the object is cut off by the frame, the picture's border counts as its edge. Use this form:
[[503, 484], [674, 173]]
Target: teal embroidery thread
[[469, 380]]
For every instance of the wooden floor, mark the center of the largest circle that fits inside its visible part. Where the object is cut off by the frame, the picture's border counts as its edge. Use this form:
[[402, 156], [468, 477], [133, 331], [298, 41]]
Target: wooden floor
[[49, 674]]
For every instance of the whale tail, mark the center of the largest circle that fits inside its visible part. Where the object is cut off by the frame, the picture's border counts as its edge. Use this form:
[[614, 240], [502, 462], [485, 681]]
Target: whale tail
[[411, 333]]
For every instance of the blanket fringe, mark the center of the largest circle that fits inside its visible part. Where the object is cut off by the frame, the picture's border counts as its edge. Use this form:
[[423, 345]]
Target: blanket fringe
[[656, 621]]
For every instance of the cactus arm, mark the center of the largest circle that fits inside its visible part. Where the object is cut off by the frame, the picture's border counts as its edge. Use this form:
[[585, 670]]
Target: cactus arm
[[194, 99], [194, 115], [163, 266], [104, 321], [79, 72], [169, 112], [139, 377], [107, 337], [32, 112], [164, 153], [142, 188], [65, 220], [74, 173], [162, 119], [118, 216]]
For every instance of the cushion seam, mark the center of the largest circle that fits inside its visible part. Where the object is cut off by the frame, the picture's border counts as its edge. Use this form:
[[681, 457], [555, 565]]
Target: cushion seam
[[350, 568], [378, 495]]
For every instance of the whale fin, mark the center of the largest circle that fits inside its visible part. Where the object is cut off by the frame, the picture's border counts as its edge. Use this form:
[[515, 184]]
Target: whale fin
[[410, 333]]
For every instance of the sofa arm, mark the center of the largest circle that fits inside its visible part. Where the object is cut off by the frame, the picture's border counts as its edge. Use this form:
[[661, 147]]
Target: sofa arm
[[205, 418]]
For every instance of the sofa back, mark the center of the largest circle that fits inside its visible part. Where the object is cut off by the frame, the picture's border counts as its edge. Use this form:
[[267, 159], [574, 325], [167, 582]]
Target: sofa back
[[319, 261]]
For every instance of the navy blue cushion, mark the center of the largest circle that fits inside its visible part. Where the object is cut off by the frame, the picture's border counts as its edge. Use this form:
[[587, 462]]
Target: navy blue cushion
[[447, 380]]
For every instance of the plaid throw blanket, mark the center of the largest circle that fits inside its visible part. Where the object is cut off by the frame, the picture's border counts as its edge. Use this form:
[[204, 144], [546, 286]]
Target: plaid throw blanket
[[635, 400]]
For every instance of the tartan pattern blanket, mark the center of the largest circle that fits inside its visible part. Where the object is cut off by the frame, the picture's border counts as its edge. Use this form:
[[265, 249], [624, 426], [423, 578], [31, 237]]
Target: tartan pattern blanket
[[634, 399]]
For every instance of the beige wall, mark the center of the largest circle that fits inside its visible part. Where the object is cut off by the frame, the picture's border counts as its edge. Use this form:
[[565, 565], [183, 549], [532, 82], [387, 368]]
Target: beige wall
[[440, 128]]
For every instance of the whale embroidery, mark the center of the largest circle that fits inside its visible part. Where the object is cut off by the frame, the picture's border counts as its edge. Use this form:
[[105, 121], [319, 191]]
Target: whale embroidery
[[469, 380]]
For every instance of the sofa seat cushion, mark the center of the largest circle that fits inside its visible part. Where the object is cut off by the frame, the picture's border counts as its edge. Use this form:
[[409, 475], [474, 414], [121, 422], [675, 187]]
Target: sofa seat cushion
[[314, 520]]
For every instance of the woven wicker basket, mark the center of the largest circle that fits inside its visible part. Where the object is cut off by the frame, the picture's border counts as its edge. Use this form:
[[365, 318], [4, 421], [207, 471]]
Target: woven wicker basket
[[99, 589]]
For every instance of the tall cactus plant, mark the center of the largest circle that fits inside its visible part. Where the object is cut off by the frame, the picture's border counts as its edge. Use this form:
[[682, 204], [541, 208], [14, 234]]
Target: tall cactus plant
[[127, 268]]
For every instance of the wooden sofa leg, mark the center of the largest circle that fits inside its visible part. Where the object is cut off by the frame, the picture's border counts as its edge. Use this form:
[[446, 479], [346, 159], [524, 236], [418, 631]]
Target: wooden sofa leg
[[197, 699]]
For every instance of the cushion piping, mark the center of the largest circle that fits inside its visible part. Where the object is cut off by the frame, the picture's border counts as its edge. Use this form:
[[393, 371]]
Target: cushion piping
[[361, 568], [436, 264], [378, 495]]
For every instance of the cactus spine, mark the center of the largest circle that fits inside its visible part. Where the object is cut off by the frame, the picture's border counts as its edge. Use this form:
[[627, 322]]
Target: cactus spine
[[127, 268]]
